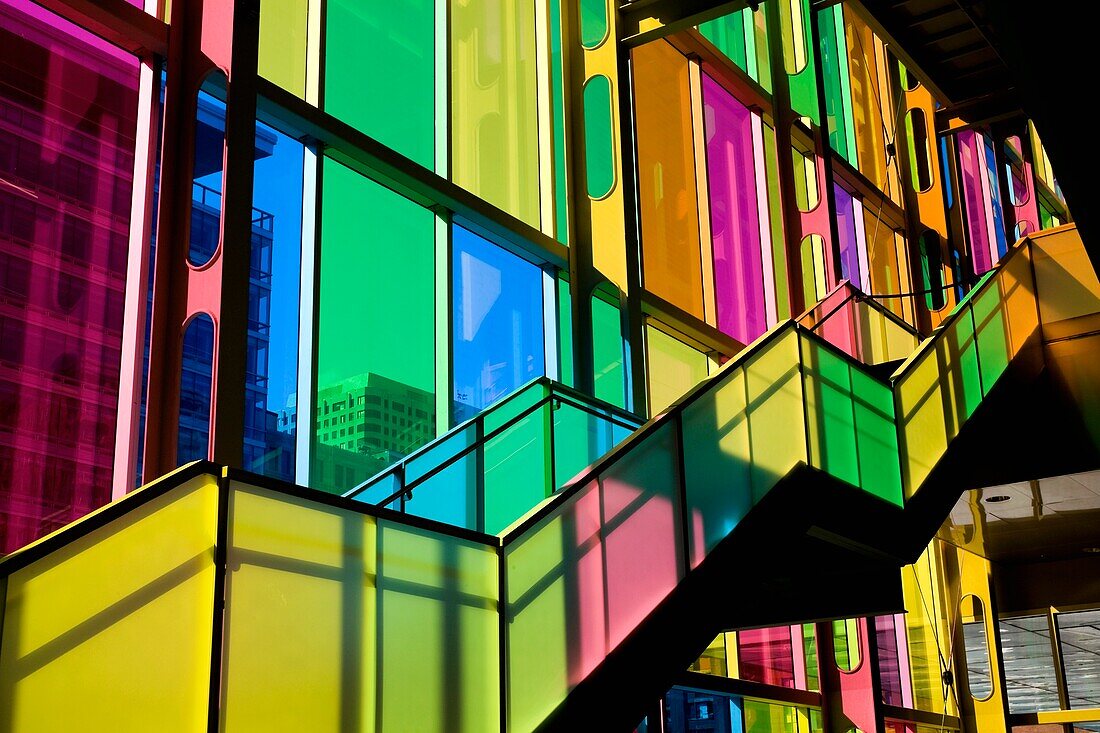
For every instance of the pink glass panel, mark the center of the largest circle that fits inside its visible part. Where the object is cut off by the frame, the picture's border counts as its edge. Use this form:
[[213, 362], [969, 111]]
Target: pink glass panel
[[971, 172], [766, 655], [68, 109], [734, 215]]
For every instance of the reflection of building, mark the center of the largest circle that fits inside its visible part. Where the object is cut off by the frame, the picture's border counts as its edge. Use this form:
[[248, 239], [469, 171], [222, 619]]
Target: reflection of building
[[365, 424], [66, 163]]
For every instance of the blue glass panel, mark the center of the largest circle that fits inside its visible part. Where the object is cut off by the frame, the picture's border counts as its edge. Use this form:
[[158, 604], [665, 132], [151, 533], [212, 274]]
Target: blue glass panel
[[206, 186], [271, 372], [195, 382], [498, 328]]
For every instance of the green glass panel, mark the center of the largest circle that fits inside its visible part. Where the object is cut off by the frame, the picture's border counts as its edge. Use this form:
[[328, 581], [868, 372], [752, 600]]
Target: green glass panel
[[876, 437], [494, 104], [607, 353], [581, 437], [375, 397], [838, 90], [763, 717], [799, 57], [673, 368], [380, 72], [282, 56], [991, 329], [517, 470], [774, 398], [717, 461], [846, 644], [565, 334], [514, 405], [438, 632], [599, 155], [809, 650], [830, 413], [593, 22], [557, 110], [728, 35]]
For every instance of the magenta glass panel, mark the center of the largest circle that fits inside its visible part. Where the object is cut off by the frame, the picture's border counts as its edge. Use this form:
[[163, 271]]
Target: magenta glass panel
[[766, 655], [888, 665], [971, 171], [846, 228], [68, 107], [734, 216]]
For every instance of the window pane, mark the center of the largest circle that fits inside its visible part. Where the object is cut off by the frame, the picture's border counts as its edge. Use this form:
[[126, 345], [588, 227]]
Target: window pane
[[673, 368], [498, 329], [69, 105], [1079, 636], [1029, 665], [271, 376], [375, 397], [766, 655], [207, 174], [196, 377]]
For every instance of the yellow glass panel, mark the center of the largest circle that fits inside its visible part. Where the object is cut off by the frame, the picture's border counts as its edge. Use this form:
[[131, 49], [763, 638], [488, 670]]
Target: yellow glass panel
[[674, 368], [672, 261], [888, 268], [927, 631], [1018, 290], [494, 98], [282, 57], [300, 622], [866, 93], [1066, 280], [922, 421], [775, 408], [112, 632]]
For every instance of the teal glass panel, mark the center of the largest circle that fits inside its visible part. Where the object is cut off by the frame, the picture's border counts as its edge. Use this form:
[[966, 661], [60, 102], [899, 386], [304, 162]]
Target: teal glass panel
[[581, 437], [717, 463], [599, 141], [447, 494], [515, 405], [876, 437], [497, 328], [830, 416], [991, 330], [565, 334], [380, 72], [375, 399], [517, 470], [593, 22], [607, 353]]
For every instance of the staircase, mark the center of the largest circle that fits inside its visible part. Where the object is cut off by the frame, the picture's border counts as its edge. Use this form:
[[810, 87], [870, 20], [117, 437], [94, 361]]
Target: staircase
[[219, 600]]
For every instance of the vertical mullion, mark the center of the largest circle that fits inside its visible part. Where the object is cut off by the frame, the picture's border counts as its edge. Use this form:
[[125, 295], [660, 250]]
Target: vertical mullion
[[309, 310], [132, 368], [1056, 656], [217, 635], [444, 317]]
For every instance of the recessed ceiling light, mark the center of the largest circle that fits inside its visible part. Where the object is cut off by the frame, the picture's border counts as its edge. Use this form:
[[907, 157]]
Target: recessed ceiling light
[[1092, 549], [996, 499]]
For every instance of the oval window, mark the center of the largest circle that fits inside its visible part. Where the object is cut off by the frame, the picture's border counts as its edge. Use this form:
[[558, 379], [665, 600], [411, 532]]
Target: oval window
[[599, 141], [196, 380], [976, 640], [593, 22], [846, 644], [920, 153], [207, 173]]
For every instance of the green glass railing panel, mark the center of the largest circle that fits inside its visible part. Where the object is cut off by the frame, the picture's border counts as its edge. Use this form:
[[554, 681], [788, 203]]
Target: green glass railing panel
[[514, 405], [517, 469], [774, 399], [717, 463], [830, 412], [580, 438], [449, 495], [991, 329], [959, 350], [439, 452], [876, 438]]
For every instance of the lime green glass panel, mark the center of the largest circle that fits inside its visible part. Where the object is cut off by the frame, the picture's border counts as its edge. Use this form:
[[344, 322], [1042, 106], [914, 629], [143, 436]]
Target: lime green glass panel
[[922, 421], [517, 470], [774, 398], [991, 329], [728, 34], [846, 644], [830, 413], [301, 632], [775, 217], [112, 631], [763, 717], [809, 650], [494, 104], [375, 398], [717, 462], [607, 353], [438, 632], [599, 154], [876, 437], [673, 368], [380, 72], [593, 22], [283, 44]]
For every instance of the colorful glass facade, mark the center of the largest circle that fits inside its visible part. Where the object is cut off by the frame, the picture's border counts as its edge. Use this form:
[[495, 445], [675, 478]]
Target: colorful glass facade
[[541, 318]]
